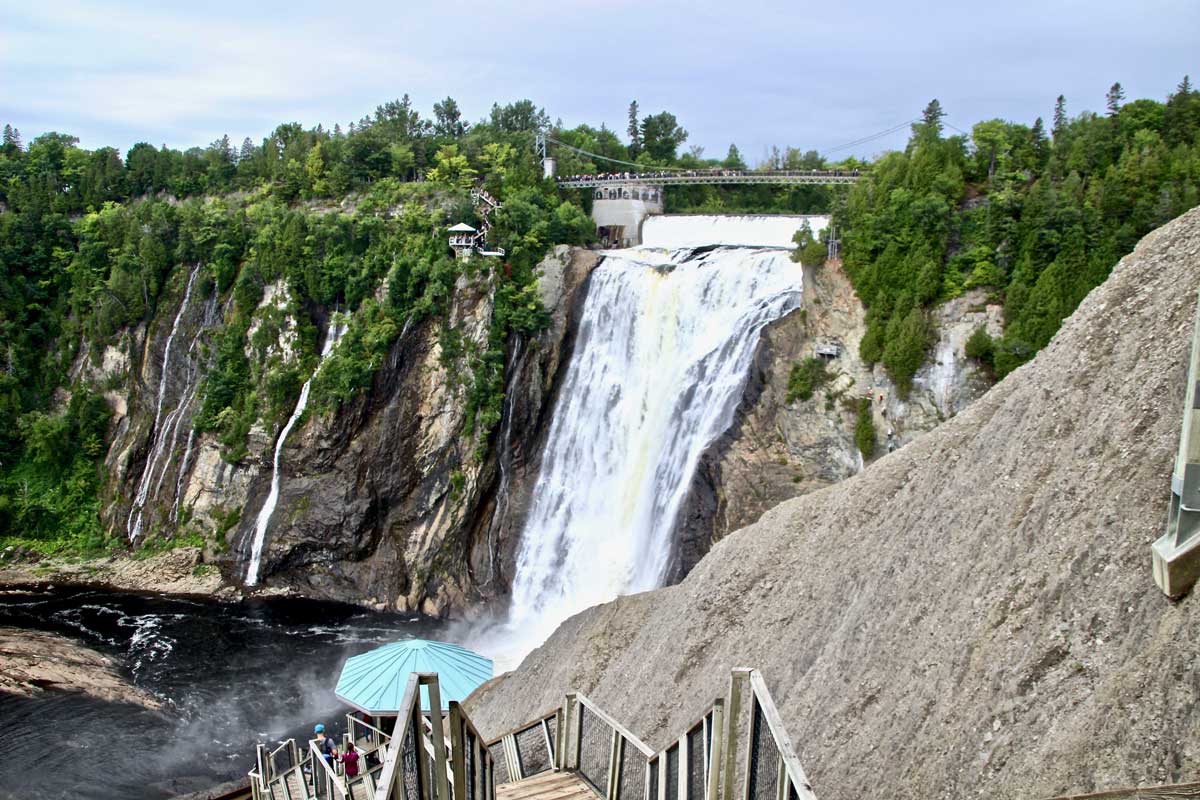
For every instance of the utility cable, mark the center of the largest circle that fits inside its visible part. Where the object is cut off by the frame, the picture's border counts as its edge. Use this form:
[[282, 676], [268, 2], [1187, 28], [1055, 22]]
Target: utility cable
[[614, 160], [871, 138]]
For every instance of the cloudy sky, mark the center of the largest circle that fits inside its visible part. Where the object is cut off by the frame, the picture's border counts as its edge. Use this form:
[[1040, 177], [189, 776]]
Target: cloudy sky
[[754, 72]]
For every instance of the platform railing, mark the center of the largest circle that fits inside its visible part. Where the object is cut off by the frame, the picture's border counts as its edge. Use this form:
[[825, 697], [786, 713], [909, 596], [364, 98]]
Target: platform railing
[[434, 756], [720, 756], [528, 750], [428, 756]]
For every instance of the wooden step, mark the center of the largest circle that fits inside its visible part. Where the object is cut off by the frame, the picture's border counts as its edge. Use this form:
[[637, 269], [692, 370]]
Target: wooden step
[[547, 786]]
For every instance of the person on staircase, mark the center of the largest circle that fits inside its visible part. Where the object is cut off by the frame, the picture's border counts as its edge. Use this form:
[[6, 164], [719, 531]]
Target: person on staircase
[[325, 745], [349, 760]]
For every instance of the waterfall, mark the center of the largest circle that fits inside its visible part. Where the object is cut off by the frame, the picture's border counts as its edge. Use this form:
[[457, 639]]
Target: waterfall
[[133, 525], [664, 347], [336, 330]]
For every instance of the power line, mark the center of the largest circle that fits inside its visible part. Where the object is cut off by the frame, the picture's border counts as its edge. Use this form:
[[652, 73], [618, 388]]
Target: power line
[[871, 138], [609, 158]]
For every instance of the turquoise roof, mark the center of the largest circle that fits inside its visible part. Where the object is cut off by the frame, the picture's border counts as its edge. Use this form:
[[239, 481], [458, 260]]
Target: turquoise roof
[[375, 681]]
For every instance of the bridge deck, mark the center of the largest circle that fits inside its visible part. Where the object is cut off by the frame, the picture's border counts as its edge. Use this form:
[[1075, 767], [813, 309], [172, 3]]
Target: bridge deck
[[548, 786], [798, 177]]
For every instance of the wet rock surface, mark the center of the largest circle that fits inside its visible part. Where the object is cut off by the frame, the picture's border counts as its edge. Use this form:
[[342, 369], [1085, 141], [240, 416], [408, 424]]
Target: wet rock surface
[[393, 500], [32, 662], [779, 448]]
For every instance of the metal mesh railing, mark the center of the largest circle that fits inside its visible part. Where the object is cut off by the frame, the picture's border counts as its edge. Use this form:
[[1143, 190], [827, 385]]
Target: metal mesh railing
[[696, 761], [500, 763], [551, 732], [411, 779], [672, 777], [468, 740], [595, 748], [631, 777], [763, 775], [653, 767], [532, 752]]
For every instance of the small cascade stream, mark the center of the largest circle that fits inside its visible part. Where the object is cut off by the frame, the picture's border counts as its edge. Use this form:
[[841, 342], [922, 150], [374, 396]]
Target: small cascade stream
[[336, 330], [133, 525], [665, 342]]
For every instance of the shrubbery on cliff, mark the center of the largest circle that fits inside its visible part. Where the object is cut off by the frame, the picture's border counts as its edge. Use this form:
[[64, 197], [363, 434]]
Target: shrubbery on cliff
[[1039, 217]]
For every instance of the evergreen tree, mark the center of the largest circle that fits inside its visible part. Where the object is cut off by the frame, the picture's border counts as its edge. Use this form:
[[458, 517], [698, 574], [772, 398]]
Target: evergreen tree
[[635, 131], [1039, 143], [733, 159], [12, 140], [247, 151], [931, 118], [1114, 98], [1060, 118], [447, 119]]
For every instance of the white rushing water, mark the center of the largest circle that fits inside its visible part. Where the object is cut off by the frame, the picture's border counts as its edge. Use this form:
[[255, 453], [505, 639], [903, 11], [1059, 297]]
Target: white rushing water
[[133, 525], [336, 329], [664, 347]]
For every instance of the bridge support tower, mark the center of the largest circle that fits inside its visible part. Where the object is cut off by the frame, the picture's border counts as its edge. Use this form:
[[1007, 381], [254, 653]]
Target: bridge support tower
[[619, 212]]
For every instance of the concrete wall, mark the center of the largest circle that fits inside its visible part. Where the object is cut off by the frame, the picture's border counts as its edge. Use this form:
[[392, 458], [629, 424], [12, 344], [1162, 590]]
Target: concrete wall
[[618, 211]]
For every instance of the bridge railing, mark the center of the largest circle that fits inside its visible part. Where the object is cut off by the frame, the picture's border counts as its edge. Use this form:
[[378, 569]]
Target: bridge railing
[[692, 177]]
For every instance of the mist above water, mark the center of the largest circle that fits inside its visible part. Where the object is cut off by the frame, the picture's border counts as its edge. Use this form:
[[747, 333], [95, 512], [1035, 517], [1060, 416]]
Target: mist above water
[[229, 676]]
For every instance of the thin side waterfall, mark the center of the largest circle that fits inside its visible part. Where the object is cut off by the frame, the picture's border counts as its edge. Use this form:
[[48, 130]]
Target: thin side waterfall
[[336, 329], [661, 360], [133, 525]]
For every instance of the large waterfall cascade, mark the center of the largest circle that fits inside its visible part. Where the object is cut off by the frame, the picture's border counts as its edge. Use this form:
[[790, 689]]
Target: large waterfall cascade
[[336, 329], [665, 342]]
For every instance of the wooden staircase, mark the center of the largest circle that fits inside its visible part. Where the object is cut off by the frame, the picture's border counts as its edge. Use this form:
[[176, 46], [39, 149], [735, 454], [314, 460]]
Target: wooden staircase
[[548, 786]]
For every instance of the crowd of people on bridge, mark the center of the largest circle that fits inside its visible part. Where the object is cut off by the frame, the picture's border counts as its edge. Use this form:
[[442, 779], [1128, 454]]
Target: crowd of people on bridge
[[708, 173]]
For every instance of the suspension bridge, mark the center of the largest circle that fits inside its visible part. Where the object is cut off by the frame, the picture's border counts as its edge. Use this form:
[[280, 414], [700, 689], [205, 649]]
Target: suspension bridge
[[803, 177], [623, 200]]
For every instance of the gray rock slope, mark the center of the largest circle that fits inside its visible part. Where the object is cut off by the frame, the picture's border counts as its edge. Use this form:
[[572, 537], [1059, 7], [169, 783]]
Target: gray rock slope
[[974, 615]]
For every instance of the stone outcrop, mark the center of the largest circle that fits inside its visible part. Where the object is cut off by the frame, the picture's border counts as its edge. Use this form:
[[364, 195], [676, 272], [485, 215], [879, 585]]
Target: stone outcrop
[[32, 662], [178, 571], [777, 449], [972, 615]]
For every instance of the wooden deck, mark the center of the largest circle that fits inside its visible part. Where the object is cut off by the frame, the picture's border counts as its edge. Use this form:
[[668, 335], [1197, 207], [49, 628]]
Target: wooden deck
[[548, 786]]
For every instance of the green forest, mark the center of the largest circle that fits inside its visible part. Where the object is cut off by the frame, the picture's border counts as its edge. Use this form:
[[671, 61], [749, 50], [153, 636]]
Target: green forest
[[1036, 216], [96, 243]]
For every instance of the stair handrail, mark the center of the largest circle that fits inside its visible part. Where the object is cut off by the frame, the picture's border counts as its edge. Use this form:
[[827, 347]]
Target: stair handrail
[[784, 779], [608, 719], [762, 703], [333, 781], [403, 730]]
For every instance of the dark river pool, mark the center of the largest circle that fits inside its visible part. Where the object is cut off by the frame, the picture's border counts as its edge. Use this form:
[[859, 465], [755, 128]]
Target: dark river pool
[[229, 675]]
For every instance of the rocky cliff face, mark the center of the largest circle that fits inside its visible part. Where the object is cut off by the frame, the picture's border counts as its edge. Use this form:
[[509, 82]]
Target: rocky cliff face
[[389, 500], [972, 615], [778, 449]]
